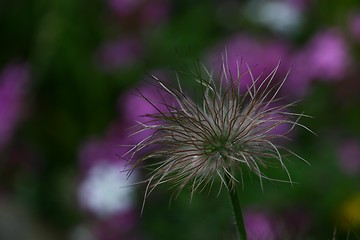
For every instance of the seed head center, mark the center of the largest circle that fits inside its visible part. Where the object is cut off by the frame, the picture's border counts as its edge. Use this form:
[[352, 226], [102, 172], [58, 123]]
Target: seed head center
[[217, 146]]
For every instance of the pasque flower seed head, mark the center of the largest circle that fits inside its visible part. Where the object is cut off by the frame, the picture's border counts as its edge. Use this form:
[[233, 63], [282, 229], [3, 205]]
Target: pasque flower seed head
[[230, 131]]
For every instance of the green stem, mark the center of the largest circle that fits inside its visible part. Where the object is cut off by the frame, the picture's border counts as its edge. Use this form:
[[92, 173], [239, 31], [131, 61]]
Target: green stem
[[236, 208]]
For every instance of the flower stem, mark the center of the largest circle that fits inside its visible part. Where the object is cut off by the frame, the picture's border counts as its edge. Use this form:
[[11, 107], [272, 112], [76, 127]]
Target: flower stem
[[236, 208]]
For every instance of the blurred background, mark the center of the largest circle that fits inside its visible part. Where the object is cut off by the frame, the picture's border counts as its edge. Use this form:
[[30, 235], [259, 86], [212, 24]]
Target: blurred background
[[67, 72]]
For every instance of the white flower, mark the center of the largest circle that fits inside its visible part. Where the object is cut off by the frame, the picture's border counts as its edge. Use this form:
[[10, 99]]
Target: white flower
[[105, 191]]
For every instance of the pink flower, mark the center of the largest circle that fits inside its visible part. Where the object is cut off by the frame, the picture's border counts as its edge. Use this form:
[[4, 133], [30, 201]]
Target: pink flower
[[328, 56]]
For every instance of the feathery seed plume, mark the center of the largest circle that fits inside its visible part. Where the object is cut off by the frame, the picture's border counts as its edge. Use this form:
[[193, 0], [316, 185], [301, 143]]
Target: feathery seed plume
[[229, 132]]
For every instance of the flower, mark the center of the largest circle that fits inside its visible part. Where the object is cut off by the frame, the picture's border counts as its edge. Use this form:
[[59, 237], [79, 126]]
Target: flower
[[145, 12], [259, 226], [155, 12], [227, 133], [349, 156], [261, 55], [144, 108], [124, 7], [280, 16], [13, 81], [119, 54], [325, 57], [328, 56], [299, 83], [354, 25], [104, 189], [350, 212], [294, 222]]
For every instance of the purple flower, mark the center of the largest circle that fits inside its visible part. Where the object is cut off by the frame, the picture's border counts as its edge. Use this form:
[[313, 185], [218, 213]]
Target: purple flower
[[349, 154], [325, 57], [262, 58], [299, 80], [109, 149], [142, 11], [120, 226], [302, 4], [242, 50], [137, 109], [283, 131], [328, 56], [124, 7], [259, 226], [96, 150], [13, 80], [119, 54], [155, 11], [354, 22], [296, 223]]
